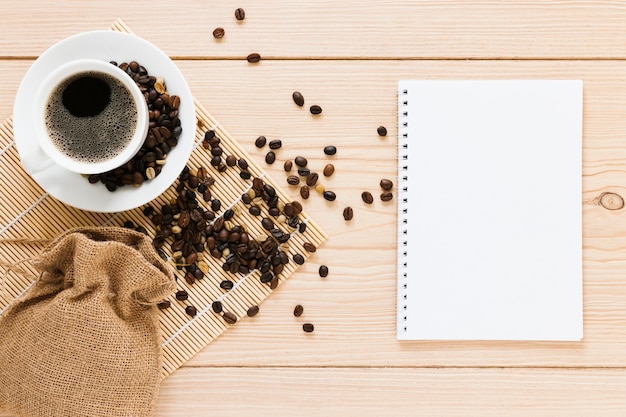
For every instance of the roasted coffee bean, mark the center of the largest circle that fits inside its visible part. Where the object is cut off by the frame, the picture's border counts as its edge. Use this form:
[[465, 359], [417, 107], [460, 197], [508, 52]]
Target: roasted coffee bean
[[329, 169], [260, 141], [287, 165], [367, 197], [129, 224], [323, 271], [308, 327], [298, 310], [302, 227], [252, 311], [382, 131], [311, 179], [386, 184], [299, 259], [330, 196], [242, 163], [253, 58], [301, 161], [240, 14], [293, 180], [227, 285], [245, 175], [216, 205], [275, 281], [190, 279], [304, 171], [229, 214], [270, 157], [216, 161], [217, 307], [309, 247], [348, 213], [218, 33], [231, 161], [275, 144], [315, 109], [267, 223], [386, 196], [182, 295], [304, 192], [164, 304], [191, 310], [298, 98], [254, 210], [148, 211], [229, 317], [330, 150]]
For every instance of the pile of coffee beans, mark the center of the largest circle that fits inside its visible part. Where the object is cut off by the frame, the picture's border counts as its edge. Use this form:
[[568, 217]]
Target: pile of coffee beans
[[195, 225], [163, 133]]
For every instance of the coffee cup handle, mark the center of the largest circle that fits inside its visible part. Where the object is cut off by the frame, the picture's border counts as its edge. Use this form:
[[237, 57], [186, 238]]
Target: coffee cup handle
[[37, 161]]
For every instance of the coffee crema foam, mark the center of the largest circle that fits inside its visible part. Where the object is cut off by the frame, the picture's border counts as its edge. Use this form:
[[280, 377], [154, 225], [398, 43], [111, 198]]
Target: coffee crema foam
[[92, 139]]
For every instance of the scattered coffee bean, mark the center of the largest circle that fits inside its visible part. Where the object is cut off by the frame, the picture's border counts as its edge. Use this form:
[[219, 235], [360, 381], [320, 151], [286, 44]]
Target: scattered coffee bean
[[218, 33], [182, 295], [148, 211], [330, 150], [252, 311], [191, 310], [267, 223], [367, 197], [227, 285], [298, 310], [270, 158], [304, 171], [330, 196], [309, 247], [229, 317], [231, 160], [298, 98], [240, 14], [304, 192], [386, 184], [275, 144], [299, 259], [217, 307], [329, 169], [311, 179], [253, 58], [301, 161], [293, 180], [323, 271], [386, 196], [260, 141], [164, 304], [308, 327], [288, 165], [242, 163], [315, 109], [348, 213], [382, 131]]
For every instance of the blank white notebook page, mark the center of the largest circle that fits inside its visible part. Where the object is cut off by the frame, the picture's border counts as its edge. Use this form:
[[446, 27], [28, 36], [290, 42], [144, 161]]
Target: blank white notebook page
[[490, 210]]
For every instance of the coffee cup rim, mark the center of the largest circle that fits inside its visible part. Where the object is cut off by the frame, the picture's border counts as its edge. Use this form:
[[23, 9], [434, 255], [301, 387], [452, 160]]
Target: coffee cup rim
[[65, 71]]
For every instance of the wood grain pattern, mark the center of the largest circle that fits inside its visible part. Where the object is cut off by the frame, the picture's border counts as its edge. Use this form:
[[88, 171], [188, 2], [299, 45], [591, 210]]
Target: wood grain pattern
[[387, 29], [348, 58]]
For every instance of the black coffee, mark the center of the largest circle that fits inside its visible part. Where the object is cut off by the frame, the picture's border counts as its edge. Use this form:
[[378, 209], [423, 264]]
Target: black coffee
[[91, 117]]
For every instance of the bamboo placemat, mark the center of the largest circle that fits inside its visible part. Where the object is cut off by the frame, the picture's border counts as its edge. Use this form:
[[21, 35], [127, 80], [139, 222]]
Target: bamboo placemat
[[28, 212]]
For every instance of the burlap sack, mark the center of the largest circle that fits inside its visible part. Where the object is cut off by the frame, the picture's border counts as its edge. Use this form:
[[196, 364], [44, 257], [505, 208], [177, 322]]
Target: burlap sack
[[84, 340]]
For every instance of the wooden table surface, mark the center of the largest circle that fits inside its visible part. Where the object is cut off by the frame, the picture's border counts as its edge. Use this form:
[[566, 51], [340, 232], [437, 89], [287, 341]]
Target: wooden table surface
[[347, 56]]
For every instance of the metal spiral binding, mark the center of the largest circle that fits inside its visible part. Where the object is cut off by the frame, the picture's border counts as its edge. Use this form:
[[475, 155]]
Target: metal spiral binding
[[403, 218]]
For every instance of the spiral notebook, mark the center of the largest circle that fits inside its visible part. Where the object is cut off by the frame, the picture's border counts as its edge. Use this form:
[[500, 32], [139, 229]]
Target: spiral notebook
[[490, 210]]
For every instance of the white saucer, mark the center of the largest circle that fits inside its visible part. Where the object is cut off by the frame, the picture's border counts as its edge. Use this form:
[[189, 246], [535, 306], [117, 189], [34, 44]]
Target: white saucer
[[72, 188]]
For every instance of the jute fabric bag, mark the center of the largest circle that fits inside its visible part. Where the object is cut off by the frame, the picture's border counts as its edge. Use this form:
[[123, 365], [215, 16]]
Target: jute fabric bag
[[84, 340]]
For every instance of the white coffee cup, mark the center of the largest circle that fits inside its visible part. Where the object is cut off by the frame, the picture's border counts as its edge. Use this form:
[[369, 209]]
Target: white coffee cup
[[62, 136]]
